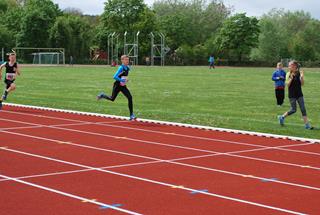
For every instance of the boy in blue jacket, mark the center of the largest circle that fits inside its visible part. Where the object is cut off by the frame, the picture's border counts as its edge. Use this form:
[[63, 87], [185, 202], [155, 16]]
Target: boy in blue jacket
[[120, 85], [279, 78]]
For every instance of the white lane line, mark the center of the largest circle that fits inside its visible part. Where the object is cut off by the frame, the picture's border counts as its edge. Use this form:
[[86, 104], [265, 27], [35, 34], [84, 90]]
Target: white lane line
[[138, 164], [151, 181], [173, 162], [69, 195], [166, 123], [187, 136], [21, 127], [39, 126], [153, 142], [211, 153], [64, 119], [80, 170], [216, 153]]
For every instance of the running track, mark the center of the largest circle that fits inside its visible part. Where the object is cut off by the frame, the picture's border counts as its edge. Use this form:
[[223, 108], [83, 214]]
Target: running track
[[64, 163]]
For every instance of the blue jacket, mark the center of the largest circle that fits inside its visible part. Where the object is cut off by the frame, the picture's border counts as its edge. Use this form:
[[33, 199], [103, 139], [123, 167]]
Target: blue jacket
[[279, 78], [122, 71]]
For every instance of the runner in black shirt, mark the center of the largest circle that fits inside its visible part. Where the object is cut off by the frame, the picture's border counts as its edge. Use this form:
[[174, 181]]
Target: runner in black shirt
[[12, 70], [295, 81]]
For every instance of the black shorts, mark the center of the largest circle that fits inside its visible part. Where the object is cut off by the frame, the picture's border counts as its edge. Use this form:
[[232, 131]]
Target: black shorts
[[8, 83]]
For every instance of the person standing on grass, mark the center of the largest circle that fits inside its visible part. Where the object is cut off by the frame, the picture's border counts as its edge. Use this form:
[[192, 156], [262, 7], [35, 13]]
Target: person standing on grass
[[211, 62], [71, 62], [120, 85], [295, 81], [279, 78], [12, 70]]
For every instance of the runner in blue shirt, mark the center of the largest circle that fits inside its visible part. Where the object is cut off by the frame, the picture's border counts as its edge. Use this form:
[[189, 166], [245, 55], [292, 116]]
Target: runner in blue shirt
[[120, 85]]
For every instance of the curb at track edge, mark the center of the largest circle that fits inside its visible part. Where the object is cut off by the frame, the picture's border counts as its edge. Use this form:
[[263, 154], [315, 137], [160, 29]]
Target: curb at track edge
[[200, 127]]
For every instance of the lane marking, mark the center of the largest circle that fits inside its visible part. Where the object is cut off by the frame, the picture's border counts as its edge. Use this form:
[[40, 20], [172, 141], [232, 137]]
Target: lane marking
[[87, 200], [199, 191], [107, 207], [269, 180], [69, 195], [173, 162], [145, 180]]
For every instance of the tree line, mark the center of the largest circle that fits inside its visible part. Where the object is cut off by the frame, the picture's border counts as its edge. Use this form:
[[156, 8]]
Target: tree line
[[194, 29]]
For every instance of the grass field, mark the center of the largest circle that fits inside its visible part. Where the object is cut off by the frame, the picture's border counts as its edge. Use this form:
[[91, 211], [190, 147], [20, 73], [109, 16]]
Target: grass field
[[238, 98]]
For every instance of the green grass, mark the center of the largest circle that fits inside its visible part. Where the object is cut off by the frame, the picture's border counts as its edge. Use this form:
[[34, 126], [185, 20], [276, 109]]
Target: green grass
[[238, 98]]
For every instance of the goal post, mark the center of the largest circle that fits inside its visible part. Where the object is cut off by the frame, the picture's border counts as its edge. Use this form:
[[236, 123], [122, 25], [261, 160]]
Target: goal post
[[40, 56]]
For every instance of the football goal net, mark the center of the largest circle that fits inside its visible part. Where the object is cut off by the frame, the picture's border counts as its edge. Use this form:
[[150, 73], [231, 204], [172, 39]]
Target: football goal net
[[45, 56]]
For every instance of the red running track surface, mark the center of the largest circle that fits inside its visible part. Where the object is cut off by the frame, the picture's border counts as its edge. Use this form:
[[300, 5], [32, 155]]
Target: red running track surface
[[63, 163]]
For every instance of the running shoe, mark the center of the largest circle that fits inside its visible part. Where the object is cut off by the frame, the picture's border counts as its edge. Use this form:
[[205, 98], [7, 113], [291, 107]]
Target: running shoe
[[281, 120], [133, 117], [101, 96], [308, 126], [5, 95]]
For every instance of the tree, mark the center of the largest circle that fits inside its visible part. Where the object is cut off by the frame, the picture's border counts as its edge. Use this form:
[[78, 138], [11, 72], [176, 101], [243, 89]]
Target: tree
[[38, 18], [126, 15], [72, 33], [272, 41], [189, 22], [121, 15], [6, 39], [5, 5], [239, 34], [306, 44]]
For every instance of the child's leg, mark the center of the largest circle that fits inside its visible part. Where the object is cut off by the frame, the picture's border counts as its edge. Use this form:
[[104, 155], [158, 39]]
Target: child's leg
[[277, 96], [10, 87], [282, 94], [293, 103], [303, 110], [127, 94], [115, 92]]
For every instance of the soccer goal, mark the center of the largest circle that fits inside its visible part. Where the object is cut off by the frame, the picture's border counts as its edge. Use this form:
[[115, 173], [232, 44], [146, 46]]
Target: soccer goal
[[40, 56], [47, 58]]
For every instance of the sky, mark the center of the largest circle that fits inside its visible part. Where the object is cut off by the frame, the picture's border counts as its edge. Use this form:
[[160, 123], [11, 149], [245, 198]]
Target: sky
[[251, 7]]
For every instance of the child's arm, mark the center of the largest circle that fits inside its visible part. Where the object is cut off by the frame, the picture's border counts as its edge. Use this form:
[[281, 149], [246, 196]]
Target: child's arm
[[289, 79], [302, 77], [116, 76], [274, 77], [18, 70], [1, 67]]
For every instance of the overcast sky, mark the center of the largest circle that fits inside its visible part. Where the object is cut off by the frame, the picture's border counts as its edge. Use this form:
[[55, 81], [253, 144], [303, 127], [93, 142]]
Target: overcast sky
[[251, 7]]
